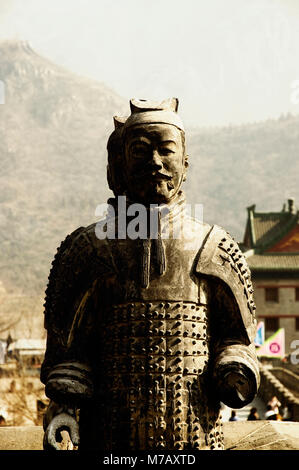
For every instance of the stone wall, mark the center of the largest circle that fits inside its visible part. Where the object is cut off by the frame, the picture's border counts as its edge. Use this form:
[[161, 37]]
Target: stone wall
[[287, 308]]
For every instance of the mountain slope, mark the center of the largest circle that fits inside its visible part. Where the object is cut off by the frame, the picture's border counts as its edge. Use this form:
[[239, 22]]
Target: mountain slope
[[232, 168], [53, 132], [54, 128]]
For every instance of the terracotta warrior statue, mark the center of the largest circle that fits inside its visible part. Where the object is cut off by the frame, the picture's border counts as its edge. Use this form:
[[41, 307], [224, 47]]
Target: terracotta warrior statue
[[150, 320]]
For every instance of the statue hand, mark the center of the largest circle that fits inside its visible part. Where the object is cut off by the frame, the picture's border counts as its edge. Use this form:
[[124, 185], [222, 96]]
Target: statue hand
[[236, 385], [63, 421]]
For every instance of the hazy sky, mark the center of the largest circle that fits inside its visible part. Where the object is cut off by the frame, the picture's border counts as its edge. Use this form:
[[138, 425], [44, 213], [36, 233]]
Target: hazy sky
[[228, 61]]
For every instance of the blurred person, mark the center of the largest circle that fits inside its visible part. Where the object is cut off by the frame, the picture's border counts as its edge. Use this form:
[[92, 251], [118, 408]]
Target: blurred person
[[270, 413], [275, 404], [233, 416], [253, 415]]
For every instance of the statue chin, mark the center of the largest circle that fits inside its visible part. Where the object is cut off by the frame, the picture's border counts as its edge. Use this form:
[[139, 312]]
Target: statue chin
[[160, 192]]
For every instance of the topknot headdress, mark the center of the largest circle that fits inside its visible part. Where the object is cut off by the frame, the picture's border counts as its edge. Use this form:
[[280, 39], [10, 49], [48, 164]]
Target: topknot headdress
[[151, 112]]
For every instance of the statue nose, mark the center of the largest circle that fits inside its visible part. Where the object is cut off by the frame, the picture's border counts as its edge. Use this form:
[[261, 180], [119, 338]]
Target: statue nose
[[156, 161]]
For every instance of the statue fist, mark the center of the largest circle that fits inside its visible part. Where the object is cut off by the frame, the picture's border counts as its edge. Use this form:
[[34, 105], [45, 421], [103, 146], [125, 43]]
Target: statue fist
[[236, 385], [64, 420]]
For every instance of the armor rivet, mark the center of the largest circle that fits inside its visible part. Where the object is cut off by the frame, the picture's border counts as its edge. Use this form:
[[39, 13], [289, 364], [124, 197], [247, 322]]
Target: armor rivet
[[177, 305], [193, 307], [167, 305]]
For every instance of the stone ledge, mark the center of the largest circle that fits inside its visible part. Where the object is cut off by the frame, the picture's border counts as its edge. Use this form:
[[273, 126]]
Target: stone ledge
[[261, 435], [240, 435]]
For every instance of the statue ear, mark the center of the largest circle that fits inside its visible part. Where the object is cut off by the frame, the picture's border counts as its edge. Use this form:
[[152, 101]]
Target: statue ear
[[186, 165]]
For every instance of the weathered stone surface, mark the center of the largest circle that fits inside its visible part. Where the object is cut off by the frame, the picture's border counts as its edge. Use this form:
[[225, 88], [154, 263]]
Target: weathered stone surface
[[21, 438], [246, 435], [261, 435], [148, 331]]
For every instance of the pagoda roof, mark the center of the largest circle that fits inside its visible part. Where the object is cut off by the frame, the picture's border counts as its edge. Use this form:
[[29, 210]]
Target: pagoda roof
[[269, 261], [271, 240]]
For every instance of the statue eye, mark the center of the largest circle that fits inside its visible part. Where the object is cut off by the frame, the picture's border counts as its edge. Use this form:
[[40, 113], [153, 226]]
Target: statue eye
[[165, 151], [139, 150]]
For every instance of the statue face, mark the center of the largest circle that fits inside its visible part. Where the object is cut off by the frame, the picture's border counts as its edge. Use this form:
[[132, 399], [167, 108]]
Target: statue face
[[155, 162]]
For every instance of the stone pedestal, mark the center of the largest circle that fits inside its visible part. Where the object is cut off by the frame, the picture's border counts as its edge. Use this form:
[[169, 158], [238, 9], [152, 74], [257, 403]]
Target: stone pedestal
[[240, 435]]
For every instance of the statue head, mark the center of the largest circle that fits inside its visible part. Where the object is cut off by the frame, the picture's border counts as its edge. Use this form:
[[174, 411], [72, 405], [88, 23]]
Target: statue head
[[155, 160], [115, 176]]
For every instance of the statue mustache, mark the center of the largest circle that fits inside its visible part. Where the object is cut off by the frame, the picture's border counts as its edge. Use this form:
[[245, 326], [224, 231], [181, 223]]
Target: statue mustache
[[155, 174]]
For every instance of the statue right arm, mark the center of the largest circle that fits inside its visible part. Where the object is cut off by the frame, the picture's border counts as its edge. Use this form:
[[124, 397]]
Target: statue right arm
[[56, 419], [66, 370]]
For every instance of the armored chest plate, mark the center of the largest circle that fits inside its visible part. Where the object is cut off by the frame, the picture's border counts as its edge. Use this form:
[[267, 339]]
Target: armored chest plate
[[154, 358]]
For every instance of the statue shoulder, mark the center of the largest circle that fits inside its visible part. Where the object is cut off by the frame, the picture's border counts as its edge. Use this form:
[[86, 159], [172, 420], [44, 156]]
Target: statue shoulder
[[221, 258], [78, 261], [80, 246]]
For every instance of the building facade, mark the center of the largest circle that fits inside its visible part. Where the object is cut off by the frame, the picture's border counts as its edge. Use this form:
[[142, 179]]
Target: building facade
[[271, 246]]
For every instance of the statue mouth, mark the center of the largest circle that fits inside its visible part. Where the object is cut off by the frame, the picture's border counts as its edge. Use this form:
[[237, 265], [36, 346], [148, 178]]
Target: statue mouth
[[153, 175]]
